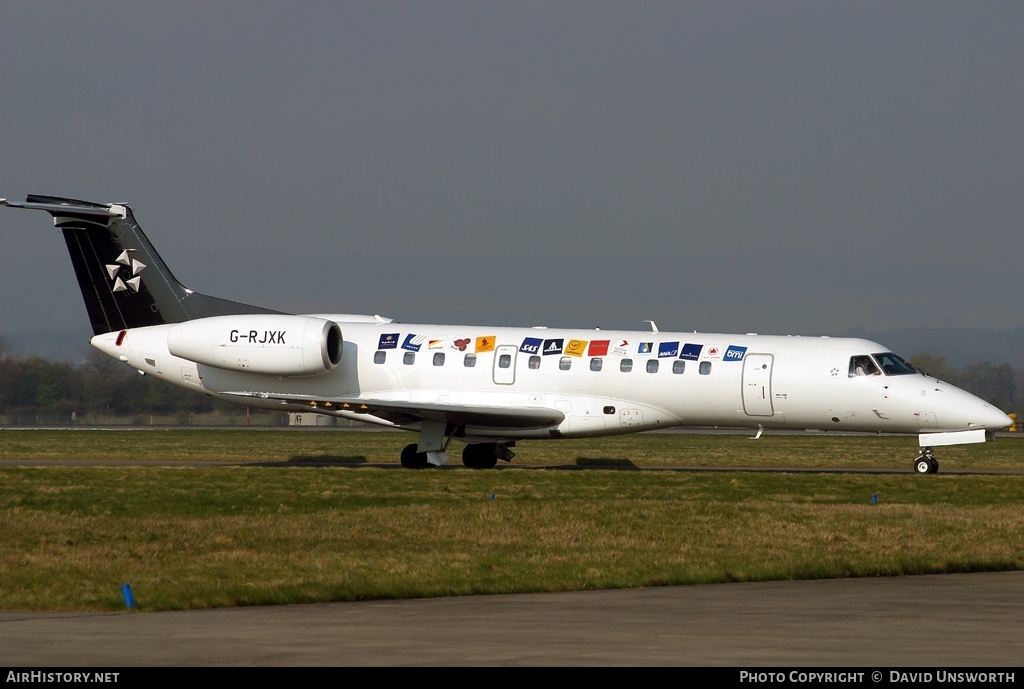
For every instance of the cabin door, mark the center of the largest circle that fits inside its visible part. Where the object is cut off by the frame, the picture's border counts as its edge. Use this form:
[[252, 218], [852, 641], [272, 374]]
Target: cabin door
[[505, 364], [757, 384]]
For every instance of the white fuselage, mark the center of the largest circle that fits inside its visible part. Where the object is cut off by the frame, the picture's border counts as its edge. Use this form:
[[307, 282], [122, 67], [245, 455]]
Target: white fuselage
[[603, 382]]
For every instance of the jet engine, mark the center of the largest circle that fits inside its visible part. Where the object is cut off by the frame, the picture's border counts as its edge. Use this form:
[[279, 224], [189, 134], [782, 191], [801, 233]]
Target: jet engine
[[273, 344]]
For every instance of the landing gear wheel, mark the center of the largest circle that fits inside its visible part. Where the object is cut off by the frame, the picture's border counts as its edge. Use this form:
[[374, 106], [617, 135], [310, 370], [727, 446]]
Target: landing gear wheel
[[934, 465], [922, 465], [411, 459], [480, 456]]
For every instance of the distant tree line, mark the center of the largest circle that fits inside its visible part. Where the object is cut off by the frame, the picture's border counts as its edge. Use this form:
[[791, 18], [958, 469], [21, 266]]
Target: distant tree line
[[101, 387], [35, 390]]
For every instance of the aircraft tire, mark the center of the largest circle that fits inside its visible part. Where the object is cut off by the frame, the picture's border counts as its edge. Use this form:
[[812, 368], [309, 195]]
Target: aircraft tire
[[480, 456], [922, 465], [411, 459], [934, 465]]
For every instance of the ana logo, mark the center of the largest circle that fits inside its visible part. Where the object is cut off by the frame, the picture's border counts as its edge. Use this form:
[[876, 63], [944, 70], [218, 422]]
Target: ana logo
[[668, 349], [734, 353], [553, 346], [127, 267], [388, 341], [531, 345]]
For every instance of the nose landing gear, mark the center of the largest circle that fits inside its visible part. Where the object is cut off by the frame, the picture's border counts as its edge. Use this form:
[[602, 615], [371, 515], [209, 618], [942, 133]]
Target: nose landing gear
[[926, 463]]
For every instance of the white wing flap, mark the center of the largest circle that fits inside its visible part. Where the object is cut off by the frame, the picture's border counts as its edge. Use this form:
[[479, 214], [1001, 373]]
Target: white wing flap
[[405, 412]]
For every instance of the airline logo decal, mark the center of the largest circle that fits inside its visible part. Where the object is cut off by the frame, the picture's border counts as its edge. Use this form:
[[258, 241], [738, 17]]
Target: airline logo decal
[[644, 348], [735, 353], [598, 348], [531, 345], [133, 283], [461, 344], [576, 347], [691, 351], [668, 349], [388, 341], [553, 346], [485, 344], [413, 342], [621, 349], [712, 352], [436, 344]]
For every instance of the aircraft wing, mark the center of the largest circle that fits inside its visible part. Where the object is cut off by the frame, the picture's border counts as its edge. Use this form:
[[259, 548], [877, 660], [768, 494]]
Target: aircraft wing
[[403, 412]]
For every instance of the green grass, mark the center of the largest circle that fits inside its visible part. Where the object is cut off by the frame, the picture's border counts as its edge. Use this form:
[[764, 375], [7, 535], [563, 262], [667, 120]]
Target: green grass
[[209, 535], [649, 449]]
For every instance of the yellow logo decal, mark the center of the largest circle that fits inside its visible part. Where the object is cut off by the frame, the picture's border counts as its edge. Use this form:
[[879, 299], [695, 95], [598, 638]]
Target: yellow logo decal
[[576, 347], [485, 344]]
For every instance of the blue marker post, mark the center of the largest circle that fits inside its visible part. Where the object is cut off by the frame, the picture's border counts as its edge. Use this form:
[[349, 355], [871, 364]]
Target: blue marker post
[[129, 600], [874, 498]]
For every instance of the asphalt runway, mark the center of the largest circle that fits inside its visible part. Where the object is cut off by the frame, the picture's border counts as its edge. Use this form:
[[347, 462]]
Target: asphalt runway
[[923, 621]]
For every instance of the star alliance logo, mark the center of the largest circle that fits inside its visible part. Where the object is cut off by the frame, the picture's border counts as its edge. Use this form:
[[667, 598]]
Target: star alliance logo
[[123, 262]]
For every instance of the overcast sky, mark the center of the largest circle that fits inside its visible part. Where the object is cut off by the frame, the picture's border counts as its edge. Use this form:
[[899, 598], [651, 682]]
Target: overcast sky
[[773, 167]]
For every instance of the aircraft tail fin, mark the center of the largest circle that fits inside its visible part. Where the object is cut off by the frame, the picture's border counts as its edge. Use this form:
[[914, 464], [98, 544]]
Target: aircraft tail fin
[[123, 280]]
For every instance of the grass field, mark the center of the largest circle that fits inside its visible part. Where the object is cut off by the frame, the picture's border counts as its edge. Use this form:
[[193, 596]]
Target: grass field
[[260, 530]]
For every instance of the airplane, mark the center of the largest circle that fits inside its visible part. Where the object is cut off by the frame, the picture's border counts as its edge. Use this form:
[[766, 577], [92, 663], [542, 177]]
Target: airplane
[[486, 386]]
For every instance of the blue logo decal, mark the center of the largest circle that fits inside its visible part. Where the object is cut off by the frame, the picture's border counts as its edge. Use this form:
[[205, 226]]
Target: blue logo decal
[[668, 349], [645, 348], [691, 351], [388, 341], [553, 346], [734, 353], [413, 342], [531, 345]]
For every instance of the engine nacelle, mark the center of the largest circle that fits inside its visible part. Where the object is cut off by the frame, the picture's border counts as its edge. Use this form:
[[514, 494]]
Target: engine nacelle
[[273, 344]]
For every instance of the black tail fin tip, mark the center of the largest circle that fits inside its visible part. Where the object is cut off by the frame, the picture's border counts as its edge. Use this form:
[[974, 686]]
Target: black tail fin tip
[[123, 280]]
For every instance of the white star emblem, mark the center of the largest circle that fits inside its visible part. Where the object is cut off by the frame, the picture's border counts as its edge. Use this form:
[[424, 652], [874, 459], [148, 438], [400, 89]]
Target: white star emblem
[[123, 261]]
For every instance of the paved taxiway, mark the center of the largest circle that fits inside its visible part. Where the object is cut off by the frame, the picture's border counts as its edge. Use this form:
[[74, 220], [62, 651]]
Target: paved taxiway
[[925, 621]]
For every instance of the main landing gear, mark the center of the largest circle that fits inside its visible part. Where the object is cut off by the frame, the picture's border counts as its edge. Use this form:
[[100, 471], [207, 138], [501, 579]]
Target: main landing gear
[[926, 463], [475, 456], [486, 455]]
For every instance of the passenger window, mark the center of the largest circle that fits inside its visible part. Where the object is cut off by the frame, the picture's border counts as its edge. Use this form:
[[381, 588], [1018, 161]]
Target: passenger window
[[678, 366], [535, 362], [504, 361], [469, 361], [596, 363], [409, 359], [626, 365], [438, 358], [380, 356], [705, 368], [652, 365], [564, 363]]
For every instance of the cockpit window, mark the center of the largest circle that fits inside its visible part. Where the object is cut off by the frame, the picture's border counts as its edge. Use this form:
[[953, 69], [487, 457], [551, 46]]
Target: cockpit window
[[863, 365], [894, 365]]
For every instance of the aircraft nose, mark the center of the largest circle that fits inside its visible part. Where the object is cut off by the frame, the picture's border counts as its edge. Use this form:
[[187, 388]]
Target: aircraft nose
[[987, 416], [996, 420]]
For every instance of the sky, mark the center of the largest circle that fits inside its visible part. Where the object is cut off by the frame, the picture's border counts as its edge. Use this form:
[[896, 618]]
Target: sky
[[776, 167]]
